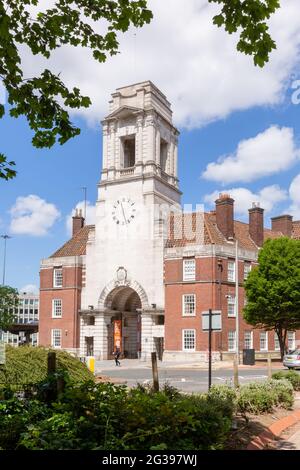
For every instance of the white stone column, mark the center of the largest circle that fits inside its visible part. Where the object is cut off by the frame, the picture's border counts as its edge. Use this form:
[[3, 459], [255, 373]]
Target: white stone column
[[157, 147], [105, 146], [100, 338], [171, 156], [147, 338], [139, 139], [175, 156]]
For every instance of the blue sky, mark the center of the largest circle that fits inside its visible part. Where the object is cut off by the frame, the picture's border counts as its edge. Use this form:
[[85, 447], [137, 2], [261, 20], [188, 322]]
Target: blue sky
[[231, 115]]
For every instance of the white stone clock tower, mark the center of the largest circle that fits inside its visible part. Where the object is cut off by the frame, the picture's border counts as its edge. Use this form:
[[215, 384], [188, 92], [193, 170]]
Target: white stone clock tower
[[124, 259]]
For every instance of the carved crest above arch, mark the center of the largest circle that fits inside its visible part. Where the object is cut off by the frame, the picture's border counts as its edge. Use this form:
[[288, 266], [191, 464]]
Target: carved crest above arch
[[120, 281]]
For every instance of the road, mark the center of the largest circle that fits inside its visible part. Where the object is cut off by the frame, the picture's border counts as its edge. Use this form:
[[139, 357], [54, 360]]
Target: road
[[187, 380]]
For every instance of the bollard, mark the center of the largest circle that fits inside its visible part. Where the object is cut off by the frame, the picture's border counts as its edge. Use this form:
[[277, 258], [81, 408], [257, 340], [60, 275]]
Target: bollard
[[269, 366]]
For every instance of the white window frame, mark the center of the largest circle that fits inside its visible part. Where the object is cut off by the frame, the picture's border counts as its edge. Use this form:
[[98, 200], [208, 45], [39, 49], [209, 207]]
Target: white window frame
[[186, 313], [55, 277], [53, 337], [189, 269], [57, 305], [266, 340], [231, 301], [276, 342], [251, 339], [248, 270], [233, 349], [231, 271], [183, 340], [289, 333]]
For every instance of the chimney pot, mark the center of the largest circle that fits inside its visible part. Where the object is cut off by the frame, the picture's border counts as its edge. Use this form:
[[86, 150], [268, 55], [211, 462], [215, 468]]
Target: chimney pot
[[224, 215], [283, 224], [256, 224], [78, 221]]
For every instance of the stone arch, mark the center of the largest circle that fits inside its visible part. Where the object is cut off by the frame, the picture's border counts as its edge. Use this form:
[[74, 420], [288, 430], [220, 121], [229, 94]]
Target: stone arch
[[113, 286]]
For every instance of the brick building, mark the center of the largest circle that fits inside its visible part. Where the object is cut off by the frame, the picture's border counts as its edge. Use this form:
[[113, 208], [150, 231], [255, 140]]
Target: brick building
[[142, 275], [200, 276]]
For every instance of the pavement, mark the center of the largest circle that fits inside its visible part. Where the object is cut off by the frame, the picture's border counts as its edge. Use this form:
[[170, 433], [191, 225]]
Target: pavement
[[217, 365], [187, 377]]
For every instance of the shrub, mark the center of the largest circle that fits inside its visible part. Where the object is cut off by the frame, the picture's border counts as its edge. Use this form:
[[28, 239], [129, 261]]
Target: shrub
[[226, 395], [292, 376], [109, 417], [262, 397], [28, 364]]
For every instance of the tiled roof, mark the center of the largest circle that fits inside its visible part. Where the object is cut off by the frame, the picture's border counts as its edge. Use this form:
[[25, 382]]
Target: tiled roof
[[296, 230], [76, 245], [187, 229]]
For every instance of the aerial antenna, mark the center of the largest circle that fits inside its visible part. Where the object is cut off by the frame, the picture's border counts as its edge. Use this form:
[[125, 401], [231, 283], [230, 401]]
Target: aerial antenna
[[85, 191]]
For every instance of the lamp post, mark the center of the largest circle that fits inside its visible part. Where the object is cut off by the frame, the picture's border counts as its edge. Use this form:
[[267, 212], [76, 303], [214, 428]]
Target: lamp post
[[5, 237], [237, 300]]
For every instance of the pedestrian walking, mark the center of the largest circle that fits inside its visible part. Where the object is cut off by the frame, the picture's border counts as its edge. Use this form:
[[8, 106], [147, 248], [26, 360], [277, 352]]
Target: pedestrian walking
[[117, 354]]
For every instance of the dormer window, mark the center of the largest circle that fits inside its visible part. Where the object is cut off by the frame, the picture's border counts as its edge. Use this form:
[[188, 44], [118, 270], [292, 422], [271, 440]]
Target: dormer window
[[128, 147]]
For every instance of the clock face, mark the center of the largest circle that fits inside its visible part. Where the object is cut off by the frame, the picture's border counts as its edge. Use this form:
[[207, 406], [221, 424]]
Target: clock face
[[124, 211]]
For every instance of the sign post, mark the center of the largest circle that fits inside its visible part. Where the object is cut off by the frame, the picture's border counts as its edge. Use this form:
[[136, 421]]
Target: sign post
[[209, 346], [211, 321]]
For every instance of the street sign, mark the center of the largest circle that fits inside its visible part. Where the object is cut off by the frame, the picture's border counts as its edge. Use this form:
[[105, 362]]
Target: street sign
[[2, 352], [216, 320]]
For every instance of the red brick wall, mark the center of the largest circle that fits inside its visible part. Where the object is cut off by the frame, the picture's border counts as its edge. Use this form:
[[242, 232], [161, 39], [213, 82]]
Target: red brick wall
[[209, 294], [70, 294]]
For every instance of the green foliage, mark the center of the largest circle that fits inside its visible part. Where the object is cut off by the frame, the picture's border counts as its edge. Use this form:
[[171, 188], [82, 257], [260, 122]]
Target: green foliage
[[226, 394], [106, 416], [28, 364], [43, 100], [290, 375], [248, 19], [273, 289], [8, 300], [263, 397]]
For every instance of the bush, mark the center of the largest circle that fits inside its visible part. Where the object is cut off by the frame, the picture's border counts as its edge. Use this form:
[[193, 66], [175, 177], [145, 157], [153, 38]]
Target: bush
[[109, 417], [262, 397], [28, 364], [226, 395], [292, 376]]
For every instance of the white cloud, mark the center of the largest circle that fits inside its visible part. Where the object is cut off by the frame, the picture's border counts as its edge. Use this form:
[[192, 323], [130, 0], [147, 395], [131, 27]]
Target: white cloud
[[90, 215], [294, 192], [32, 215], [269, 152], [29, 289], [268, 197], [193, 62]]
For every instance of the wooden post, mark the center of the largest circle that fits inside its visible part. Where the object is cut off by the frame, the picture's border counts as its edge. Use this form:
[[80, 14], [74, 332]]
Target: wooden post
[[235, 372], [154, 372], [51, 391], [269, 366], [51, 363]]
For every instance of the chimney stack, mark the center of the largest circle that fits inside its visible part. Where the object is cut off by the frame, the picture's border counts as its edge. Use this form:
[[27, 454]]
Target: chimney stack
[[256, 224], [224, 215], [78, 221], [283, 224]]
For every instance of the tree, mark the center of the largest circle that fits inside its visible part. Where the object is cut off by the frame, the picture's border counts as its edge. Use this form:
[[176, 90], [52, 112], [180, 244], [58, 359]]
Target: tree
[[248, 17], [43, 100], [8, 301], [273, 289]]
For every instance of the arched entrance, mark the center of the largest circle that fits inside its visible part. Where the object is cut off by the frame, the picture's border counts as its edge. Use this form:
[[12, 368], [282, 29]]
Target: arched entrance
[[124, 305]]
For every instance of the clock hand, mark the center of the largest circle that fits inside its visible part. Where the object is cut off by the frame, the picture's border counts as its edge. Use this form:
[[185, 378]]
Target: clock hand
[[124, 213]]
